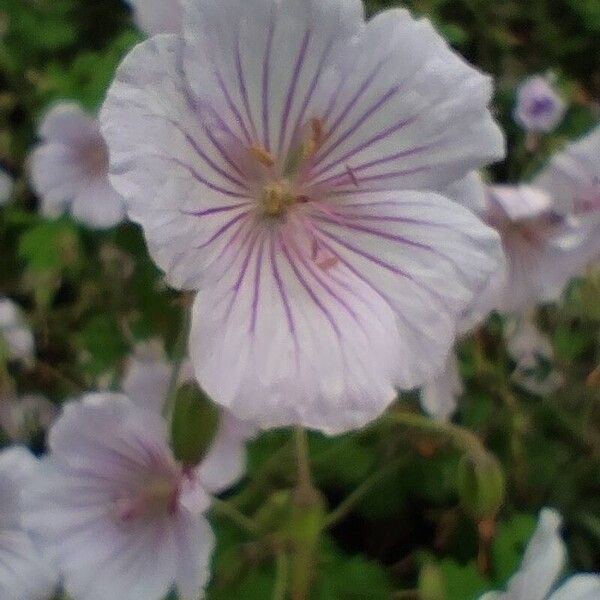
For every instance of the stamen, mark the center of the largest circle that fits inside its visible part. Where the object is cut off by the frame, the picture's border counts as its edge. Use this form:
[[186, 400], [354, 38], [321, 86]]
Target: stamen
[[262, 155], [277, 197]]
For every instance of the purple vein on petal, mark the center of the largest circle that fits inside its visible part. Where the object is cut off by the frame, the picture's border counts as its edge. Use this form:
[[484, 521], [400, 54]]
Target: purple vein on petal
[[243, 88], [342, 179], [266, 77], [214, 210], [292, 90], [362, 119], [281, 288], [257, 274], [223, 229]]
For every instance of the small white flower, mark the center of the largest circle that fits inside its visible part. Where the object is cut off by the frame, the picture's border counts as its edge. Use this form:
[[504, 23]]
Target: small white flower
[[22, 418], [119, 515], [69, 169], [539, 107], [544, 248], [285, 159], [6, 187], [158, 16], [24, 574], [573, 180], [542, 566], [15, 333]]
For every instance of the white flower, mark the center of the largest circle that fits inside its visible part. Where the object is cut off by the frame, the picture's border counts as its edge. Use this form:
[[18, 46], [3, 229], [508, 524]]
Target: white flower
[[22, 418], [440, 396], [24, 574], [69, 169], [573, 180], [539, 107], [542, 565], [6, 187], [15, 333], [158, 16], [544, 248], [283, 159], [119, 515]]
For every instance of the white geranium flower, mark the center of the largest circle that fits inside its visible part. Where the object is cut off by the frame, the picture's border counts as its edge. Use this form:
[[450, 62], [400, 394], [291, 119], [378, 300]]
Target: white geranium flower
[[6, 187], [158, 16], [539, 107], [69, 169], [542, 566], [119, 515], [544, 248], [439, 397], [24, 574], [15, 333], [285, 159]]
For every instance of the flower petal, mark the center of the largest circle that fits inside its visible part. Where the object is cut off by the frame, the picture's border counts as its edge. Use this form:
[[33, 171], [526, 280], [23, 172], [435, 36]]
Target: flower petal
[[543, 561], [579, 587], [406, 112], [99, 205], [439, 397], [158, 16], [178, 183], [260, 62]]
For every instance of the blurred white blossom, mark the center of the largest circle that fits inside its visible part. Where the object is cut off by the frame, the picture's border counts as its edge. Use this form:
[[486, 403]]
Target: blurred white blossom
[[15, 333], [21, 418], [542, 566], [69, 169], [112, 495], [24, 573]]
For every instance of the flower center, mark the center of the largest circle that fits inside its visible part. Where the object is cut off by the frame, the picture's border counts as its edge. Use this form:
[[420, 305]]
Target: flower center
[[277, 197], [157, 497]]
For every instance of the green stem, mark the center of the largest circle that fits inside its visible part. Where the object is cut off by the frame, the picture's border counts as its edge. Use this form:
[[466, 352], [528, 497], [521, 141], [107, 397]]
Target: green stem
[[462, 438], [226, 510], [347, 505], [179, 356], [304, 481], [282, 568]]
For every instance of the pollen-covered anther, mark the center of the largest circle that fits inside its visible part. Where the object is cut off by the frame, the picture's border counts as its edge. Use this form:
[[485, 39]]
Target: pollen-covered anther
[[262, 155], [277, 197]]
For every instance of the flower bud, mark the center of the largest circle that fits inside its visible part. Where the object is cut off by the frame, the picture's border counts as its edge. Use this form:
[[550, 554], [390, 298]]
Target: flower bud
[[194, 424], [481, 485]]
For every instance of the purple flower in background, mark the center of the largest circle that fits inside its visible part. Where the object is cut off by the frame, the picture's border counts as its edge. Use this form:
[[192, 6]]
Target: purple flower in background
[[539, 108], [158, 16], [288, 160], [24, 573], [117, 513], [69, 169]]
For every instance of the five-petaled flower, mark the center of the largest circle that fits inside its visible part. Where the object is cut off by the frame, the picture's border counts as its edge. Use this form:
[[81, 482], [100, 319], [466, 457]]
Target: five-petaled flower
[[115, 510], [285, 159]]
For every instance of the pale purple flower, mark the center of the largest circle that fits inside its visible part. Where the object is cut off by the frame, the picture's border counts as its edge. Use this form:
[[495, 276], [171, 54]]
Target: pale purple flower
[[439, 397], [6, 187], [158, 16], [115, 510], [539, 108], [69, 169], [544, 248], [22, 418], [573, 179], [283, 159], [24, 573], [542, 566], [15, 334]]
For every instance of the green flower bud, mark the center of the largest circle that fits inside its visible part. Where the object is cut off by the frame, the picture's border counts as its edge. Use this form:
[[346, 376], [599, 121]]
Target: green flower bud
[[194, 424], [481, 485]]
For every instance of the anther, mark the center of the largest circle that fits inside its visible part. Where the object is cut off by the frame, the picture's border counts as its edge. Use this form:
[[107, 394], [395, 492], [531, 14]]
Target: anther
[[262, 155]]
